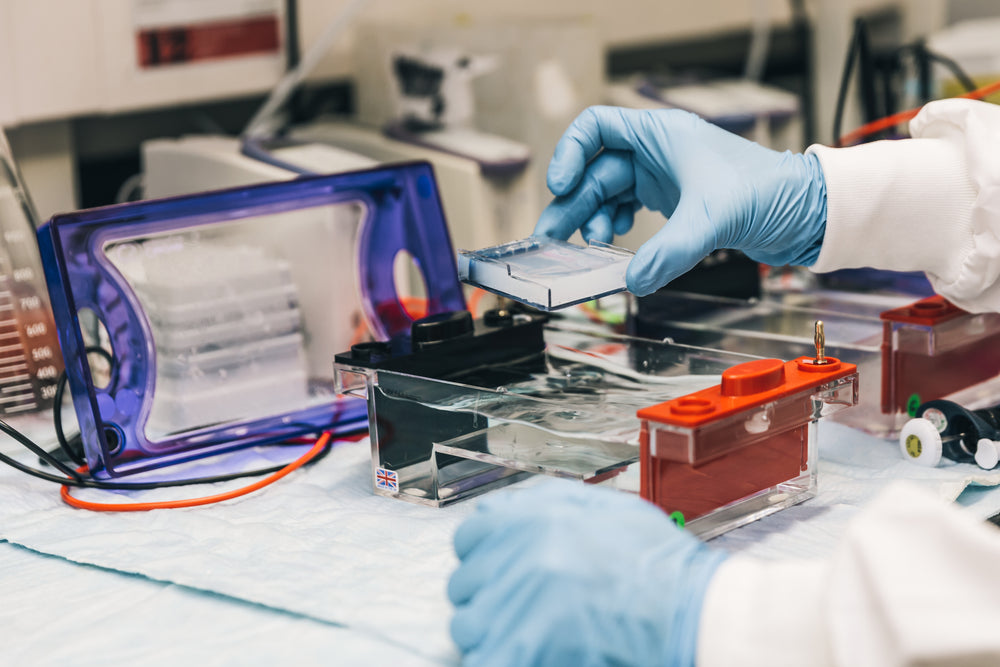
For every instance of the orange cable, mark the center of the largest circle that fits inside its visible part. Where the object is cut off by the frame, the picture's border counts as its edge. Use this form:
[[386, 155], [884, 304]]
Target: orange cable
[[897, 118], [194, 502]]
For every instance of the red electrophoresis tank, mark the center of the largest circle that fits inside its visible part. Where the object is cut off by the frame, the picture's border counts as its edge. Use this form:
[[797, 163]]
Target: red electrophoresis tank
[[739, 439], [933, 348]]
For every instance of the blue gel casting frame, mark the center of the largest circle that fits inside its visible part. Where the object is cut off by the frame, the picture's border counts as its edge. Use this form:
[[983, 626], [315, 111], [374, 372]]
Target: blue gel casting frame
[[402, 212]]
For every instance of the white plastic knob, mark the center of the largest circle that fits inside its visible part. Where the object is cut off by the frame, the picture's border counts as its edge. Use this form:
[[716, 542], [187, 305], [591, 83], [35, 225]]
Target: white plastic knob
[[920, 442], [987, 454]]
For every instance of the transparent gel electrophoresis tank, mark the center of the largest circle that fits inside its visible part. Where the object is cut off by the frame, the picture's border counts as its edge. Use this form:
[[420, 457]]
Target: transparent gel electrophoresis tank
[[567, 411]]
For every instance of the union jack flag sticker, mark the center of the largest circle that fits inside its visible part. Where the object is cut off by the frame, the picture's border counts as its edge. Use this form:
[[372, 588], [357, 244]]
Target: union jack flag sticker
[[386, 479]]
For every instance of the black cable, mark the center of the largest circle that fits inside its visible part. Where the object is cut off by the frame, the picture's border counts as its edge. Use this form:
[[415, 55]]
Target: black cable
[[889, 66], [845, 80], [866, 75], [90, 483], [87, 482], [26, 442], [293, 53], [293, 56], [73, 478], [920, 51], [34, 472], [64, 444], [859, 48], [61, 385], [804, 42], [955, 68], [923, 63]]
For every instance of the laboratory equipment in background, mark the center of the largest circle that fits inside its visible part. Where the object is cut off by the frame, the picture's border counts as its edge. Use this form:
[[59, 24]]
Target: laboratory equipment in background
[[223, 310], [464, 406], [435, 106], [765, 114], [484, 206], [487, 181], [30, 362], [480, 209], [906, 352], [547, 70], [546, 273], [209, 162], [118, 56], [488, 194]]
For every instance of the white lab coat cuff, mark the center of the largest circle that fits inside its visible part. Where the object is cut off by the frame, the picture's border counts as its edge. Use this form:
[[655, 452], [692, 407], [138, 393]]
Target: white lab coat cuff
[[762, 613], [897, 205]]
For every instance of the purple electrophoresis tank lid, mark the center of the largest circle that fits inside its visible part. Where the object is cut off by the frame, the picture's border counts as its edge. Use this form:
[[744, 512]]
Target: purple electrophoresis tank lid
[[398, 210]]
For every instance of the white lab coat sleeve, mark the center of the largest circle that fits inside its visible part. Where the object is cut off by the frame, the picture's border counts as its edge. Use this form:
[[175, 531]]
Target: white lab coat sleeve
[[930, 203], [915, 581]]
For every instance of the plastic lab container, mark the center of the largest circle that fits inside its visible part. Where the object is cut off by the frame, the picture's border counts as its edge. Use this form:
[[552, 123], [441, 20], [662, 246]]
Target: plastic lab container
[[223, 310], [499, 398]]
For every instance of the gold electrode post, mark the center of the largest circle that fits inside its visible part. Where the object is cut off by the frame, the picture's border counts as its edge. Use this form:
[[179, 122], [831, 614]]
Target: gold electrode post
[[820, 339]]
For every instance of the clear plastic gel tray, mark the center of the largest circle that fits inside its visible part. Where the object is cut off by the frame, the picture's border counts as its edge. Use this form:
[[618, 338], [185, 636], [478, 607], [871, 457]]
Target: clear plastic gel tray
[[546, 273]]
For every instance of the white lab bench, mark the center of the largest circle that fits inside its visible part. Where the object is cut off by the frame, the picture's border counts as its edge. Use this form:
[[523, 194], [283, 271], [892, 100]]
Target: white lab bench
[[317, 569]]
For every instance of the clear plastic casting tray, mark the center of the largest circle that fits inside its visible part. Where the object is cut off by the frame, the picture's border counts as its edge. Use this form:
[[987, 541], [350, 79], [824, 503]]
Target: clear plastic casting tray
[[546, 273]]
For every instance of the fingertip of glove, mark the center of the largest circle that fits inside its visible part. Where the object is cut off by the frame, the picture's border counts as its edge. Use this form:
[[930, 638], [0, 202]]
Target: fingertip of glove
[[638, 279], [551, 224], [453, 592], [461, 630], [561, 176]]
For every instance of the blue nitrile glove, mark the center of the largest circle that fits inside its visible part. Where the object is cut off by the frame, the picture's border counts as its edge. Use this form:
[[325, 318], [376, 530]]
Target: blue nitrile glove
[[717, 189], [567, 574]]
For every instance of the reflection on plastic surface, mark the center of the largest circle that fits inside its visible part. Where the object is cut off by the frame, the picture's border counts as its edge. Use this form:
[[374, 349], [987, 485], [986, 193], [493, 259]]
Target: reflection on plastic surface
[[783, 330], [519, 446], [224, 310], [546, 273]]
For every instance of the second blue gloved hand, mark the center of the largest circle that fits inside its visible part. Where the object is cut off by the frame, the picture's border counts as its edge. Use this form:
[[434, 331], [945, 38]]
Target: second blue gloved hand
[[717, 189], [566, 574]]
